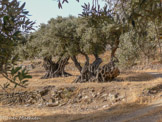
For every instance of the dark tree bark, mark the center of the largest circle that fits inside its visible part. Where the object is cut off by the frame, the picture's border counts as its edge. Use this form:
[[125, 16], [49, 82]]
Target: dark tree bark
[[55, 69], [108, 72], [92, 72], [88, 72], [76, 63], [114, 48], [1, 68]]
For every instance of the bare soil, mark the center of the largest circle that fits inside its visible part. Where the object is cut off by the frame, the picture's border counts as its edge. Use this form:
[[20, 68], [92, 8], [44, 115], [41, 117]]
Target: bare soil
[[133, 96]]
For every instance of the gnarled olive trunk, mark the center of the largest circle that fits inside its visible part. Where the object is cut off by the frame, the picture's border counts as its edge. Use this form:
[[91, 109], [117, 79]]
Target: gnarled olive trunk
[[76, 63], [93, 72], [88, 72], [108, 72], [55, 69], [1, 68], [114, 48]]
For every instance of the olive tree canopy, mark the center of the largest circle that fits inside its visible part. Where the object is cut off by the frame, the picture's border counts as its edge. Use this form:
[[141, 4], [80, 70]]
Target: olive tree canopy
[[13, 22]]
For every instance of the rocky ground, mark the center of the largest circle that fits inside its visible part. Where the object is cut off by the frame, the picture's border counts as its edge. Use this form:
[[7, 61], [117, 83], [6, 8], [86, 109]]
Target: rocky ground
[[52, 96], [78, 101], [134, 96]]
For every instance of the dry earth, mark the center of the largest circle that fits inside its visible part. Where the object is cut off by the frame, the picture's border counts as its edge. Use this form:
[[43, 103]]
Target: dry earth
[[133, 96]]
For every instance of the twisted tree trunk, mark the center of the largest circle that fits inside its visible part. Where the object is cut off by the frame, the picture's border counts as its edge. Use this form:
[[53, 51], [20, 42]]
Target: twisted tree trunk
[[76, 63], [55, 69], [88, 72], [114, 48], [1, 68], [108, 72]]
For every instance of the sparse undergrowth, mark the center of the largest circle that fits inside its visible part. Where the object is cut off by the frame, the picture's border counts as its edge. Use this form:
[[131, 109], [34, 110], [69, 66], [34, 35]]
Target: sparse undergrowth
[[52, 96], [58, 94]]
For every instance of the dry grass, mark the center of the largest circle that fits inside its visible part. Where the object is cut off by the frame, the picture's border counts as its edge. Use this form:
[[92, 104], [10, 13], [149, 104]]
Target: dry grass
[[131, 85], [160, 120]]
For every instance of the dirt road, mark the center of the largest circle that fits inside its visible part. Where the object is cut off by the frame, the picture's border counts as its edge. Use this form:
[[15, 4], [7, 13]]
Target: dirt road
[[151, 113]]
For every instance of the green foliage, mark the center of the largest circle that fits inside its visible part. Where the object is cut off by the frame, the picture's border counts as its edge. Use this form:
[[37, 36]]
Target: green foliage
[[35, 44], [128, 52], [64, 36], [17, 76], [122, 24], [64, 30], [141, 19], [13, 21], [137, 47], [49, 40], [91, 37]]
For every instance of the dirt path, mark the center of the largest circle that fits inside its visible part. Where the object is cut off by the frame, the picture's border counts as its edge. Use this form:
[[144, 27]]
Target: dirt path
[[151, 113], [142, 115]]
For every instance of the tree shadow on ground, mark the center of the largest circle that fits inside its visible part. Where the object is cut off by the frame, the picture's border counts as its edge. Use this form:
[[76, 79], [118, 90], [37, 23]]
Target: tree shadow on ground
[[139, 77], [124, 76]]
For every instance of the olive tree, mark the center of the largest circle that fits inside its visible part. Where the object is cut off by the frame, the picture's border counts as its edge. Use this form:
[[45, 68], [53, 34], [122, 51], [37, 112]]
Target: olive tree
[[81, 36], [143, 19], [66, 38], [44, 43], [13, 22]]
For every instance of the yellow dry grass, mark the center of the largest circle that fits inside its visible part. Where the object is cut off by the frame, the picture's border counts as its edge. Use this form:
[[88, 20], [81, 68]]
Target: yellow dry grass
[[160, 120], [132, 84]]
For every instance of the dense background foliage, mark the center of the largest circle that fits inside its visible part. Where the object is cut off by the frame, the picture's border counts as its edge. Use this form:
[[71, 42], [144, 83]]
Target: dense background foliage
[[130, 28]]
